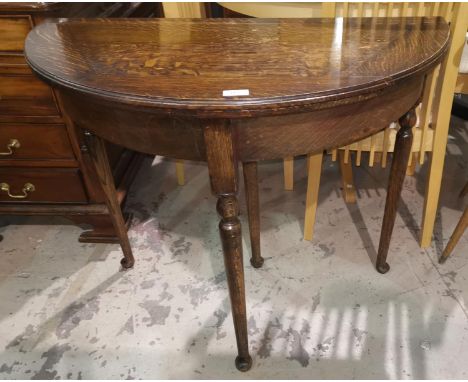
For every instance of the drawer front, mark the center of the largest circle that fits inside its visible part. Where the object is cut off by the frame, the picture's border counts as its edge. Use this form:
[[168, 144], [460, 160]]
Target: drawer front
[[13, 63], [13, 31], [50, 186], [31, 141], [26, 95]]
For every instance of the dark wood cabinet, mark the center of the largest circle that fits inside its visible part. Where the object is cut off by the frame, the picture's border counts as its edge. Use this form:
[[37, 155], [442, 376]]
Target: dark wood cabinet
[[43, 168]]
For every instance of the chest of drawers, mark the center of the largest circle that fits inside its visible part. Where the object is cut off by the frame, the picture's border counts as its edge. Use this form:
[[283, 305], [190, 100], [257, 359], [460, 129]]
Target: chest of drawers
[[43, 168]]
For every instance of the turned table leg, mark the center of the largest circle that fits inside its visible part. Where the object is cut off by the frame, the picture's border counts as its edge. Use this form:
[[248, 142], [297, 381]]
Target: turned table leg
[[222, 167], [253, 211], [98, 153], [401, 154]]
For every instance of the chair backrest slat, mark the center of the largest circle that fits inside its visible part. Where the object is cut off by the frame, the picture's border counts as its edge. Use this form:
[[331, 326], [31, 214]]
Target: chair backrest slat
[[420, 9], [328, 9], [426, 107], [345, 8], [360, 12], [385, 145], [359, 153], [389, 9], [422, 130], [375, 10], [404, 10]]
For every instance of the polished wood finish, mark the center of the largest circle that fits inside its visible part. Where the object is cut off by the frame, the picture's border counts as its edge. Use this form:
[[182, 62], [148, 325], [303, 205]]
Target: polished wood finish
[[178, 81], [309, 132], [13, 32], [156, 86], [253, 210], [47, 152], [54, 138], [26, 94], [401, 154], [48, 184], [98, 152], [222, 166]]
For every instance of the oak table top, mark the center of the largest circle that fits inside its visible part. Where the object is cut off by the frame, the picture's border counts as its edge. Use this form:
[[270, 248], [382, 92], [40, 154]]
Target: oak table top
[[226, 91], [162, 63]]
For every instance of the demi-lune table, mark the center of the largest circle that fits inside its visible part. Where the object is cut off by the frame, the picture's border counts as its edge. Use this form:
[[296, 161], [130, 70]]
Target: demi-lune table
[[226, 91]]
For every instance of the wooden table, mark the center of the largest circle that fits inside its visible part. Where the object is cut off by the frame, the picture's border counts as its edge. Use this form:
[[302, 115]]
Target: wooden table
[[230, 90]]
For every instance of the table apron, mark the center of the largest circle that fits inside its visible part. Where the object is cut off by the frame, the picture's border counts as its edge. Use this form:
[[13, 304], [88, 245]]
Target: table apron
[[257, 138], [305, 133]]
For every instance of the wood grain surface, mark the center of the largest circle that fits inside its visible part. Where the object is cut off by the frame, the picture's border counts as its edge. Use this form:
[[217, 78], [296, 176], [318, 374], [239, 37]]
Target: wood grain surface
[[283, 63]]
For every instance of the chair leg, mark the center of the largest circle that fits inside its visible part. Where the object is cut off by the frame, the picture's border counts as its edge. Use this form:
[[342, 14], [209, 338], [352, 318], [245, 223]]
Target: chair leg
[[253, 211], [434, 182], [411, 169], [314, 169], [456, 235], [346, 169], [288, 165], [464, 192], [180, 172], [377, 157]]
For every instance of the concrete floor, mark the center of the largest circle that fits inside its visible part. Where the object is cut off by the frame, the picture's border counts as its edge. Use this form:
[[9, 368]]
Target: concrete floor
[[315, 310]]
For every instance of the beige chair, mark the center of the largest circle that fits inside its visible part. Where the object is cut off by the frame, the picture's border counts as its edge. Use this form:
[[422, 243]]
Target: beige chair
[[430, 135], [461, 87]]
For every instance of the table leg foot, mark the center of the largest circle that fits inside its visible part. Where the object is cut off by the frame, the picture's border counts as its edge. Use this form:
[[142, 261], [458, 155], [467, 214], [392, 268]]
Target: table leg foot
[[257, 262], [401, 155], [243, 363], [127, 263], [383, 268]]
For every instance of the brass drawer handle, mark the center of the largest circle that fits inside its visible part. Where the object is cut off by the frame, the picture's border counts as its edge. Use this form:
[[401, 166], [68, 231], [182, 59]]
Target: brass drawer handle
[[11, 146], [27, 188]]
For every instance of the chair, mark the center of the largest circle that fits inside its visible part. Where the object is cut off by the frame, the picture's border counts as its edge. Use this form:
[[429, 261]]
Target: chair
[[426, 137], [461, 87], [430, 134]]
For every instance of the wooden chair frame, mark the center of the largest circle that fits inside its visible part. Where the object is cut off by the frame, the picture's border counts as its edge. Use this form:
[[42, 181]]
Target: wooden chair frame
[[431, 132]]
